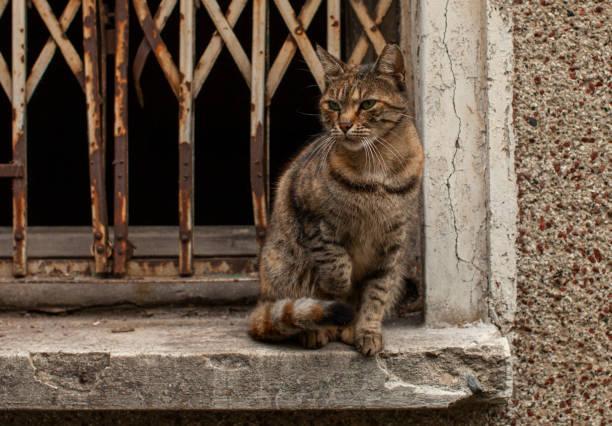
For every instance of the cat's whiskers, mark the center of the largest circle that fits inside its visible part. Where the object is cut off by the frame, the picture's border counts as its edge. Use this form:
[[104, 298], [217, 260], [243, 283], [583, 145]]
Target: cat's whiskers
[[323, 143], [387, 145], [326, 156], [405, 115], [376, 153], [367, 143], [367, 155]]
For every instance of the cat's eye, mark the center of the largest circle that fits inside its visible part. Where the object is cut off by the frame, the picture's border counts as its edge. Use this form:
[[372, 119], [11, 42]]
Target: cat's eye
[[334, 106], [367, 104]]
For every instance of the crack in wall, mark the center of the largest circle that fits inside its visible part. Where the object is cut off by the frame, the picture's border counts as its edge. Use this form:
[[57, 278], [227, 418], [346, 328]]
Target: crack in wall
[[457, 138], [457, 146]]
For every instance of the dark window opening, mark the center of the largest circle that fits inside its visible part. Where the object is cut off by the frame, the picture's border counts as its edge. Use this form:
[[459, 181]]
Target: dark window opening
[[58, 178]]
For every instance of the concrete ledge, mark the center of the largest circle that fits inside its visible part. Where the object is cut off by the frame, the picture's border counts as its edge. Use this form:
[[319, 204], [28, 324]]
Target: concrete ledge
[[202, 359]]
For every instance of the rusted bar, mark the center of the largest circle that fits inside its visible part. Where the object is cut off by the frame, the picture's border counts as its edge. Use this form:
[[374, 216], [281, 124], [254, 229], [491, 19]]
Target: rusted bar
[[162, 14], [212, 51], [186, 62], [230, 39], [11, 171], [48, 51], [287, 51], [121, 244], [19, 136], [369, 26], [361, 47], [160, 50], [258, 90], [99, 217], [296, 28], [333, 27], [70, 54]]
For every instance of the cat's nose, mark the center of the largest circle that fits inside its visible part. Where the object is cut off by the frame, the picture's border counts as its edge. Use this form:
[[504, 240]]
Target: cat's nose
[[345, 125]]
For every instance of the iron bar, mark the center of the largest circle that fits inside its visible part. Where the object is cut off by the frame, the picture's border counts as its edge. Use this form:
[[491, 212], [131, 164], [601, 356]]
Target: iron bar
[[121, 166], [296, 28], [258, 105], [212, 51], [19, 136], [333, 28], [362, 44], [231, 41], [48, 51], [11, 170], [70, 54], [370, 27], [156, 43], [5, 74], [287, 51], [94, 132], [186, 117], [162, 14]]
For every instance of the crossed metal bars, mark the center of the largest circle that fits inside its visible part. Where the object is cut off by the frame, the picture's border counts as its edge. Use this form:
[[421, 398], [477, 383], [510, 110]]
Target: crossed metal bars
[[19, 87], [186, 81]]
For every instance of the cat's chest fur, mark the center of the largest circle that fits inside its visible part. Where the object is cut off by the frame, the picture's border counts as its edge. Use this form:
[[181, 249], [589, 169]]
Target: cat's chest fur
[[364, 219]]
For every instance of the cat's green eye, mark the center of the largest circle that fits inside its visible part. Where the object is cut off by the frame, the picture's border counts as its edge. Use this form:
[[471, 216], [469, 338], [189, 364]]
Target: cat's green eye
[[368, 104], [334, 106]]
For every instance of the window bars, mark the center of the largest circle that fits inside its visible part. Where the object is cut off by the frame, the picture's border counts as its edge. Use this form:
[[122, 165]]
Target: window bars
[[19, 87], [185, 79]]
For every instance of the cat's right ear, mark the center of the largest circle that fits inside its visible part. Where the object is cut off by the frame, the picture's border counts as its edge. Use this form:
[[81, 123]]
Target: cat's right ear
[[332, 66]]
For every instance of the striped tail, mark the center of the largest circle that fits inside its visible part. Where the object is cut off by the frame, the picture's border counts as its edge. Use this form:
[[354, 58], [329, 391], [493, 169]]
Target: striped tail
[[284, 318]]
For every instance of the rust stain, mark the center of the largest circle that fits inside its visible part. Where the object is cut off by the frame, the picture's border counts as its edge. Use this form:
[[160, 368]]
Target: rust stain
[[152, 35], [122, 249], [185, 208], [11, 170], [258, 186], [93, 87]]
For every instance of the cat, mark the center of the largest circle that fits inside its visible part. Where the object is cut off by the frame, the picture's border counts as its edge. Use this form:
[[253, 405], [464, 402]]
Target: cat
[[333, 261]]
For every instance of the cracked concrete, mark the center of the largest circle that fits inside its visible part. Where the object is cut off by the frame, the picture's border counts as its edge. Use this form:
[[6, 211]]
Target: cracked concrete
[[203, 359], [457, 138], [449, 104], [79, 373]]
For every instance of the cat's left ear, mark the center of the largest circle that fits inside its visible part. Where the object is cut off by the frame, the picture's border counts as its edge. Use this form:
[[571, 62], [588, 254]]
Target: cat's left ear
[[391, 62], [332, 66]]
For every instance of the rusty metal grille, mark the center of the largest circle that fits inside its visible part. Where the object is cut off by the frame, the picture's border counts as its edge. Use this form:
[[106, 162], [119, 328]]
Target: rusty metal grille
[[107, 32]]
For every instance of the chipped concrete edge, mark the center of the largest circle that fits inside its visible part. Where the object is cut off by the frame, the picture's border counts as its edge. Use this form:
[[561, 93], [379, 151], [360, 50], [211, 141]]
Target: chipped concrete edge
[[461, 366], [502, 205]]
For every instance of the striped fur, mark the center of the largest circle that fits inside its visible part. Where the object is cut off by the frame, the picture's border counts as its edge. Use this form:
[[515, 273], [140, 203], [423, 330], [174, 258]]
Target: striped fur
[[277, 320], [343, 212]]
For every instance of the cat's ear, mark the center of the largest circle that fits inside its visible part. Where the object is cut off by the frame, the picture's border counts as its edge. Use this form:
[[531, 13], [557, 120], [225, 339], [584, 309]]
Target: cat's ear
[[332, 66], [391, 62]]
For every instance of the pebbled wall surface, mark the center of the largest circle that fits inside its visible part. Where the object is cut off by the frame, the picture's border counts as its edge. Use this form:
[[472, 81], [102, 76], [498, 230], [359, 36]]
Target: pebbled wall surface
[[562, 94]]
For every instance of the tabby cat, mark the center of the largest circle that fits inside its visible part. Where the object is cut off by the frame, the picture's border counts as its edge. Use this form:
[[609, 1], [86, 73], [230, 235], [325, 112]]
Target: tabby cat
[[333, 262]]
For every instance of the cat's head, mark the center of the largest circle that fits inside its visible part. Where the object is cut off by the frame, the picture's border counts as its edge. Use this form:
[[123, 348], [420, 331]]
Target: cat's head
[[362, 103]]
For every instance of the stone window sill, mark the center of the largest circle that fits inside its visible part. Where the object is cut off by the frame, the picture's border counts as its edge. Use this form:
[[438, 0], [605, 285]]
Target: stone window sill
[[202, 359]]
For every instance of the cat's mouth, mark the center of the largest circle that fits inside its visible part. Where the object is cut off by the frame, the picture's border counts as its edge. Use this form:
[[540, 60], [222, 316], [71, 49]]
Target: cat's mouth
[[352, 143]]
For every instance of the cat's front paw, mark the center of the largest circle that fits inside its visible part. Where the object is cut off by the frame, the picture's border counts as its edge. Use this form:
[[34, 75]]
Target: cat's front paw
[[368, 342]]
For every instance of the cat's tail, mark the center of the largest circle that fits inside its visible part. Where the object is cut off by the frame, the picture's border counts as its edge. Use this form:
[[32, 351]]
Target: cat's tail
[[280, 319]]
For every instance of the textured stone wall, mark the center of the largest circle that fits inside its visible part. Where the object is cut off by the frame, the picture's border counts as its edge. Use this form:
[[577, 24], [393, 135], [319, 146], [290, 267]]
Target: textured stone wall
[[563, 124], [562, 90]]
